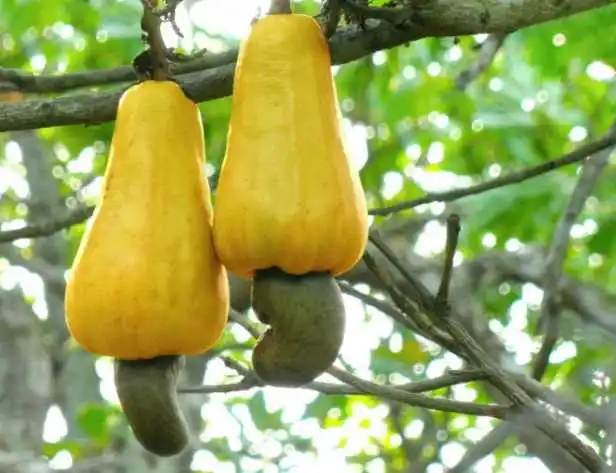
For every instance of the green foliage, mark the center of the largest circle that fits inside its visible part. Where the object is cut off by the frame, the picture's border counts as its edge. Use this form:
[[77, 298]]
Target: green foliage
[[97, 420]]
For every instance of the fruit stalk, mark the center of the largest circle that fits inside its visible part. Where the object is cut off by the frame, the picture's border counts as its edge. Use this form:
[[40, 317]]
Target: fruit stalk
[[150, 24], [280, 7]]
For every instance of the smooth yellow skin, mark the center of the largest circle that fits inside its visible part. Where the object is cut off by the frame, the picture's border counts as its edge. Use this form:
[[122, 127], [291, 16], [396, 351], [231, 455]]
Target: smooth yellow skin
[[287, 193], [146, 281]]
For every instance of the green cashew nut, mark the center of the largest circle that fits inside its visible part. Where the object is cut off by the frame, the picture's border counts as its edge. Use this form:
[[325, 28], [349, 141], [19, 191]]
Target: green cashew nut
[[146, 389], [307, 320]]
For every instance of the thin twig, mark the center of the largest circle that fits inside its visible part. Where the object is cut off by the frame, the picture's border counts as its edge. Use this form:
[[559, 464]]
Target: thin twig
[[590, 415], [487, 53], [356, 386], [452, 378], [550, 312], [453, 232], [243, 385], [235, 365], [412, 399], [574, 156]]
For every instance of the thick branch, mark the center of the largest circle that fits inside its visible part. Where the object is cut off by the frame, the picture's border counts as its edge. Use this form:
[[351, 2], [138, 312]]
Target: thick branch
[[431, 18]]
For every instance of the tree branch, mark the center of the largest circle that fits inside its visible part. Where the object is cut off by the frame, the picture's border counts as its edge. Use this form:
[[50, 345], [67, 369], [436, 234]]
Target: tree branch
[[435, 18], [92, 108], [355, 386], [487, 53], [453, 234], [49, 227], [534, 415], [590, 415], [449, 379], [550, 311], [491, 269], [577, 155], [412, 399]]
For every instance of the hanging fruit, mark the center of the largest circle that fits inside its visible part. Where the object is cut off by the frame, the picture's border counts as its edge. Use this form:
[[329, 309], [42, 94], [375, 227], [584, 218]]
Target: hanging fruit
[[290, 211], [146, 286]]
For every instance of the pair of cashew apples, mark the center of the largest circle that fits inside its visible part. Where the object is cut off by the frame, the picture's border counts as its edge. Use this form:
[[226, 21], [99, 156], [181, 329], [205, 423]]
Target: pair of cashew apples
[[149, 284]]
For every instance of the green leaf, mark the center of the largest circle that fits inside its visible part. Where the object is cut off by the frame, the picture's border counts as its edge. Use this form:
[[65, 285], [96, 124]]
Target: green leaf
[[95, 419]]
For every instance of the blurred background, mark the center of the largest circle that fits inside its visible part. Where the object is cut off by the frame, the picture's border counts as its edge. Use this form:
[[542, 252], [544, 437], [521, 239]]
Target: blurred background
[[417, 119]]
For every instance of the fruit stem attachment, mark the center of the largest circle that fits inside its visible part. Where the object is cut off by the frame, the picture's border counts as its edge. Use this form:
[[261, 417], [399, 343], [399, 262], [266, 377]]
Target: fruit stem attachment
[[150, 24], [280, 7]]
